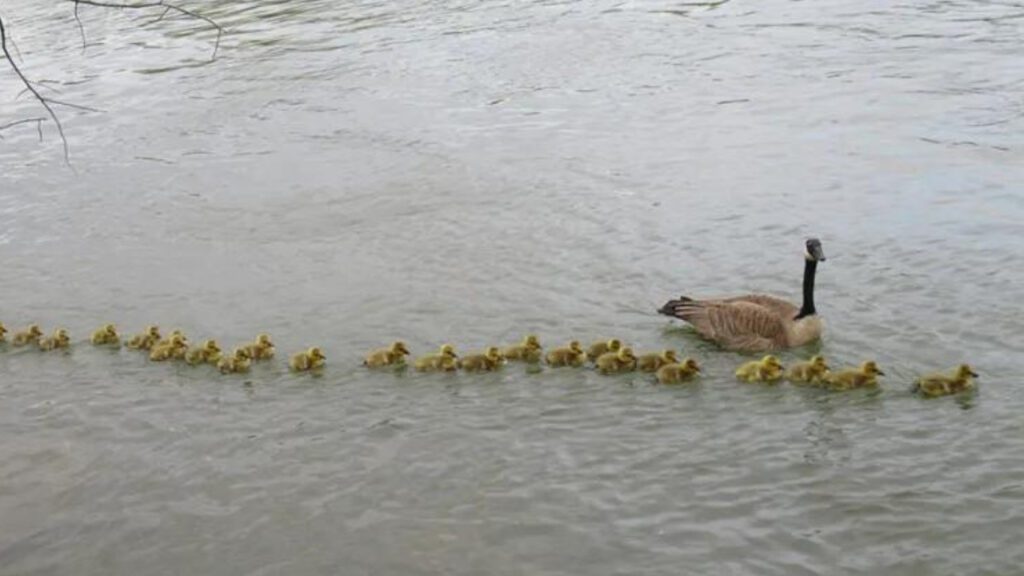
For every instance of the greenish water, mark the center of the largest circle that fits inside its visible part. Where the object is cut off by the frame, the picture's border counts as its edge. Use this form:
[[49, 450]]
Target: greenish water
[[349, 173]]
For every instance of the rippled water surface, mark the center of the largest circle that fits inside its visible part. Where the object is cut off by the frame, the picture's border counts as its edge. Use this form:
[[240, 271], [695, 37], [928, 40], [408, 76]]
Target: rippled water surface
[[346, 173]]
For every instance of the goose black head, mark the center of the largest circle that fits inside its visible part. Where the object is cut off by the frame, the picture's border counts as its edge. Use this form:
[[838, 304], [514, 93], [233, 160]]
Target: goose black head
[[814, 251]]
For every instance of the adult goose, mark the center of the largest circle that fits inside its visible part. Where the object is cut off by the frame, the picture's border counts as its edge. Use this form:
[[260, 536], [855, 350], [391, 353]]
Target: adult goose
[[756, 323]]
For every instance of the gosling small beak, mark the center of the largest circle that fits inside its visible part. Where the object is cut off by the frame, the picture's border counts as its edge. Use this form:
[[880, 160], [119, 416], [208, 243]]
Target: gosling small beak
[[880, 373], [974, 374]]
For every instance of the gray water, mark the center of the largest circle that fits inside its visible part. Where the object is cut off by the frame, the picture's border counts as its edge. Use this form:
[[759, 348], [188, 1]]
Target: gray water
[[347, 173]]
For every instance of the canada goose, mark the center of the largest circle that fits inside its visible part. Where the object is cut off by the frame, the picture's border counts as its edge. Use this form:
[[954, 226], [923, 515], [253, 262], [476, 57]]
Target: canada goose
[[933, 385], [60, 339], [261, 349], [529, 350], [571, 355], [311, 359], [811, 372], [172, 348], [651, 362], [238, 362], [617, 362], [30, 335], [393, 355], [756, 323], [107, 335], [446, 360], [864, 376], [208, 353], [489, 360], [767, 369], [598, 348], [145, 340], [675, 373]]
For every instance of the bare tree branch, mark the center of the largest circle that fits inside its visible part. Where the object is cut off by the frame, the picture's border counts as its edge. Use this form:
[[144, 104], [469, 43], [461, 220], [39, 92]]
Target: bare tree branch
[[81, 28], [38, 121], [167, 6]]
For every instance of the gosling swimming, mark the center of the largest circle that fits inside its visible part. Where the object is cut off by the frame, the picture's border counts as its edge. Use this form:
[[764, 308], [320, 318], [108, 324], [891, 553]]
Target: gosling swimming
[[393, 355], [768, 370], [864, 376], [813, 371], [312, 359], [106, 336], [597, 349], [173, 348], [238, 362], [261, 349], [3, 331], [208, 353], [617, 362], [935, 385], [529, 350], [59, 339], [676, 373], [652, 362], [145, 340], [490, 360], [446, 360], [571, 355], [30, 335]]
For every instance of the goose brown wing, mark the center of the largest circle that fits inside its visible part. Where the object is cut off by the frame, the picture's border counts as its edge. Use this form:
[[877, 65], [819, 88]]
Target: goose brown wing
[[734, 324], [779, 306]]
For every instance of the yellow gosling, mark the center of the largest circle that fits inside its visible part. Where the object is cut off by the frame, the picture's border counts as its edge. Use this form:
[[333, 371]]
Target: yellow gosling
[[529, 350], [208, 353], [238, 362], [262, 348], [106, 336], [146, 340], [935, 385], [571, 355], [814, 371], [865, 376], [617, 362], [393, 355], [60, 339], [599, 348], [312, 359], [768, 370], [174, 348], [651, 362], [490, 360], [171, 336], [30, 335], [676, 373], [446, 360], [3, 332]]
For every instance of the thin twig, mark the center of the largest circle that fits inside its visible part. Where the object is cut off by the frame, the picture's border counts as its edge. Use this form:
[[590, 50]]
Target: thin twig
[[167, 6], [81, 28], [38, 121], [40, 84]]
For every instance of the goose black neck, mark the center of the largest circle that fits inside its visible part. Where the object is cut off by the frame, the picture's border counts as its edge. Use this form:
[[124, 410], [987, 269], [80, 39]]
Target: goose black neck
[[810, 267]]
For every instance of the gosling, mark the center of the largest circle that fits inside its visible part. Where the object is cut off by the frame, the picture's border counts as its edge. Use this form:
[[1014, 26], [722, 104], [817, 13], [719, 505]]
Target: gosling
[[393, 355], [446, 360], [208, 353], [813, 371], [572, 355], [170, 338], [597, 349], [30, 335], [652, 362], [935, 385], [172, 349], [106, 336], [312, 359], [529, 350], [677, 373], [768, 370], [146, 340], [237, 363], [261, 349], [617, 362], [490, 360], [3, 331], [865, 376], [60, 339]]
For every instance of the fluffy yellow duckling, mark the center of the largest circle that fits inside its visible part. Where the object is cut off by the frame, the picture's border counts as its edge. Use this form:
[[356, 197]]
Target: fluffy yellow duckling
[[60, 339], [393, 355], [262, 348], [767, 369], [934, 385], [30, 335], [571, 355], [676, 373], [311, 359], [146, 340], [107, 335], [446, 360], [865, 376], [3, 332], [529, 350], [814, 371], [238, 362], [173, 348], [651, 362], [597, 349], [617, 362], [208, 353], [171, 336], [489, 360]]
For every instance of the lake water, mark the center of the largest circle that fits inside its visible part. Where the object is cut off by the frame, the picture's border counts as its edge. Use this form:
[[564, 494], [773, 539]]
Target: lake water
[[348, 173]]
